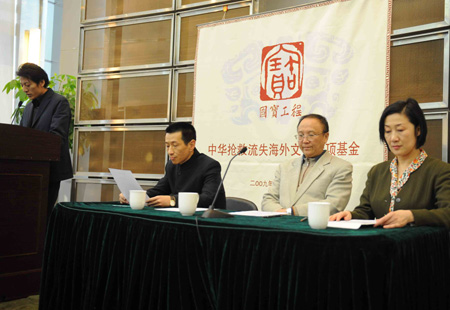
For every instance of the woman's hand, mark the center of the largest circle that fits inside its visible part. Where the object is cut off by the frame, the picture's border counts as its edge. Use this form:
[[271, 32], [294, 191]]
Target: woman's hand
[[395, 219], [346, 215]]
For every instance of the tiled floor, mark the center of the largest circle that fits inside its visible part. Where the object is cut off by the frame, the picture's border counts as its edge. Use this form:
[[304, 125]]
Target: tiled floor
[[29, 303]]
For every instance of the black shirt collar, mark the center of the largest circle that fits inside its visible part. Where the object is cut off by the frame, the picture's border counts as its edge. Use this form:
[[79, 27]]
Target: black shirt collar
[[37, 101], [314, 158], [191, 160]]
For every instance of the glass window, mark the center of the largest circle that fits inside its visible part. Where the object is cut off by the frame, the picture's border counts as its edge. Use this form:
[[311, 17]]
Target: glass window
[[141, 150], [417, 71], [92, 191], [433, 146], [125, 97], [410, 13], [131, 45], [187, 2], [437, 137], [193, 3], [101, 9], [184, 94], [188, 27]]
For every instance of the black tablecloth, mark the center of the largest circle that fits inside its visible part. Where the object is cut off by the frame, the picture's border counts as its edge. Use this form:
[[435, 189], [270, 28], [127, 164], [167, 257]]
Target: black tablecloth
[[98, 256]]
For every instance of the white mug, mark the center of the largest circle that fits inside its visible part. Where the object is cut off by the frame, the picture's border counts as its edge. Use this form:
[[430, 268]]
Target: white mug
[[137, 199], [318, 214], [187, 203]]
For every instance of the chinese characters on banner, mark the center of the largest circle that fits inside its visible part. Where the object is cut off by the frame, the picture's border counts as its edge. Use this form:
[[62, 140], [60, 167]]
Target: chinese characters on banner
[[256, 76], [282, 71], [277, 111], [279, 149], [260, 183]]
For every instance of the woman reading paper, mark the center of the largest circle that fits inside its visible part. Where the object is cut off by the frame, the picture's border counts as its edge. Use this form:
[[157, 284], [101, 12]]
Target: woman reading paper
[[413, 188]]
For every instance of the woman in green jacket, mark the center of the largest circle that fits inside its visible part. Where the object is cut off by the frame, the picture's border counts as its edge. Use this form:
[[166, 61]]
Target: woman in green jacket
[[411, 189]]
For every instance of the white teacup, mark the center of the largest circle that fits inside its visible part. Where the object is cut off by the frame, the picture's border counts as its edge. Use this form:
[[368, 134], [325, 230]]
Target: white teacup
[[137, 199], [318, 214], [187, 203]]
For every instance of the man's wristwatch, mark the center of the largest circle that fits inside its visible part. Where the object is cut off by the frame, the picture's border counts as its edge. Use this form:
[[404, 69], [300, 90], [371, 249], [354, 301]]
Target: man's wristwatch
[[173, 202]]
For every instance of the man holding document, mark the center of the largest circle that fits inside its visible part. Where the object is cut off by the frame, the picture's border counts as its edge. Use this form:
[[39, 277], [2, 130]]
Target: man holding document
[[187, 171]]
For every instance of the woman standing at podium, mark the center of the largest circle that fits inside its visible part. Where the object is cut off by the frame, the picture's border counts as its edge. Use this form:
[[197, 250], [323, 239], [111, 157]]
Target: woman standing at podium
[[50, 112], [413, 188]]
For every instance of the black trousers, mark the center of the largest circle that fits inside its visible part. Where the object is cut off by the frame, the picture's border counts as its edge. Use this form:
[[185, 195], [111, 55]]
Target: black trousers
[[53, 191]]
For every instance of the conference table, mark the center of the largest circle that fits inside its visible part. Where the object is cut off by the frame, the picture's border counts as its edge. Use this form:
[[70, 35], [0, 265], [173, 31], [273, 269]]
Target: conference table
[[104, 256]]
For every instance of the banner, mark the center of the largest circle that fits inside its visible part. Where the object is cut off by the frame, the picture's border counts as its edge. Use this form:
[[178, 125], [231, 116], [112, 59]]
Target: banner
[[256, 76]]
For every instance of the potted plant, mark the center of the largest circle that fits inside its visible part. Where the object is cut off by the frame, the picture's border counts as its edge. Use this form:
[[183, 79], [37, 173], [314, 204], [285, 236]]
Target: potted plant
[[63, 84]]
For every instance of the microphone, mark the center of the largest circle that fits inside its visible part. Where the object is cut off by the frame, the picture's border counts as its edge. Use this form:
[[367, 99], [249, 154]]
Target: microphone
[[17, 111], [211, 213]]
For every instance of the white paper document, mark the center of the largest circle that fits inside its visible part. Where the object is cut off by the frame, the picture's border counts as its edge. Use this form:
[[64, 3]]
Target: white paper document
[[352, 224], [178, 210], [126, 181], [258, 213]]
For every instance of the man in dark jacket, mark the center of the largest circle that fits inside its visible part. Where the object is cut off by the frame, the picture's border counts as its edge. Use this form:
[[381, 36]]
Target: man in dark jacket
[[50, 112], [187, 171]]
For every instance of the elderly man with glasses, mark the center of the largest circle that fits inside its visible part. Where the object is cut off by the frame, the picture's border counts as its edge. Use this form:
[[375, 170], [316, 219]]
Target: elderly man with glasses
[[316, 176]]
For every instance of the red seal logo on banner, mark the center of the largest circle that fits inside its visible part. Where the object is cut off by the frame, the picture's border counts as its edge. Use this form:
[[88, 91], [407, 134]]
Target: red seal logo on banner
[[282, 71]]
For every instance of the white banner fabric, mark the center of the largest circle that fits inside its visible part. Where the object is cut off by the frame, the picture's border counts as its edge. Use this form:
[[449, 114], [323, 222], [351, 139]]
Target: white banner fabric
[[256, 76]]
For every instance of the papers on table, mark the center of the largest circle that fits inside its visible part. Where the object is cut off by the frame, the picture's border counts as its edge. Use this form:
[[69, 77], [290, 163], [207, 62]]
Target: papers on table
[[122, 206], [245, 213], [125, 181], [258, 213], [352, 224], [178, 210]]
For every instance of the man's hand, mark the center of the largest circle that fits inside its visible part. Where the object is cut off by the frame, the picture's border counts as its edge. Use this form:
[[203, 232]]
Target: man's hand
[[344, 215], [159, 201], [122, 199], [395, 219]]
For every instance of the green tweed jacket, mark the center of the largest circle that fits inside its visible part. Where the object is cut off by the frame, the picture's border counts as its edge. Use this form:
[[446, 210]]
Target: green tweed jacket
[[426, 194]]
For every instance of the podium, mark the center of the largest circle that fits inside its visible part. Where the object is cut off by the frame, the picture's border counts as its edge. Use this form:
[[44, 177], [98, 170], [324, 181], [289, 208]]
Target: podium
[[25, 156]]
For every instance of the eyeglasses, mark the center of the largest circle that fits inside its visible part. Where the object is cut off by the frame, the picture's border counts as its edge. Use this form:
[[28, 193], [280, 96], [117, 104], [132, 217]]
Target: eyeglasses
[[308, 137]]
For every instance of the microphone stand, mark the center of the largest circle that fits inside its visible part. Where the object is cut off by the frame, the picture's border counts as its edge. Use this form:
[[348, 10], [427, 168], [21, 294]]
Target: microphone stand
[[211, 213]]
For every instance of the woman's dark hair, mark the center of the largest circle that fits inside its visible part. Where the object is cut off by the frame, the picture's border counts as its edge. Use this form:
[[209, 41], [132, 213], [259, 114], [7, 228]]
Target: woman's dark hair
[[187, 131], [33, 72], [412, 110]]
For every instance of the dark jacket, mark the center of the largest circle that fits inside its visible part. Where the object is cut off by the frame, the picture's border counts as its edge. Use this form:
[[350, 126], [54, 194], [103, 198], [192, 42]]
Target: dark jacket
[[53, 116], [426, 194], [200, 174]]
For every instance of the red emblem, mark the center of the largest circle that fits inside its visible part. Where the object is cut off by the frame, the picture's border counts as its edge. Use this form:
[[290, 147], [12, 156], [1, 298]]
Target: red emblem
[[282, 71]]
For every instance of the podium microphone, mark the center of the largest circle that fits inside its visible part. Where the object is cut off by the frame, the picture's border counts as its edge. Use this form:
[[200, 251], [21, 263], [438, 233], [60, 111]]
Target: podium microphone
[[211, 213], [17, 111]]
